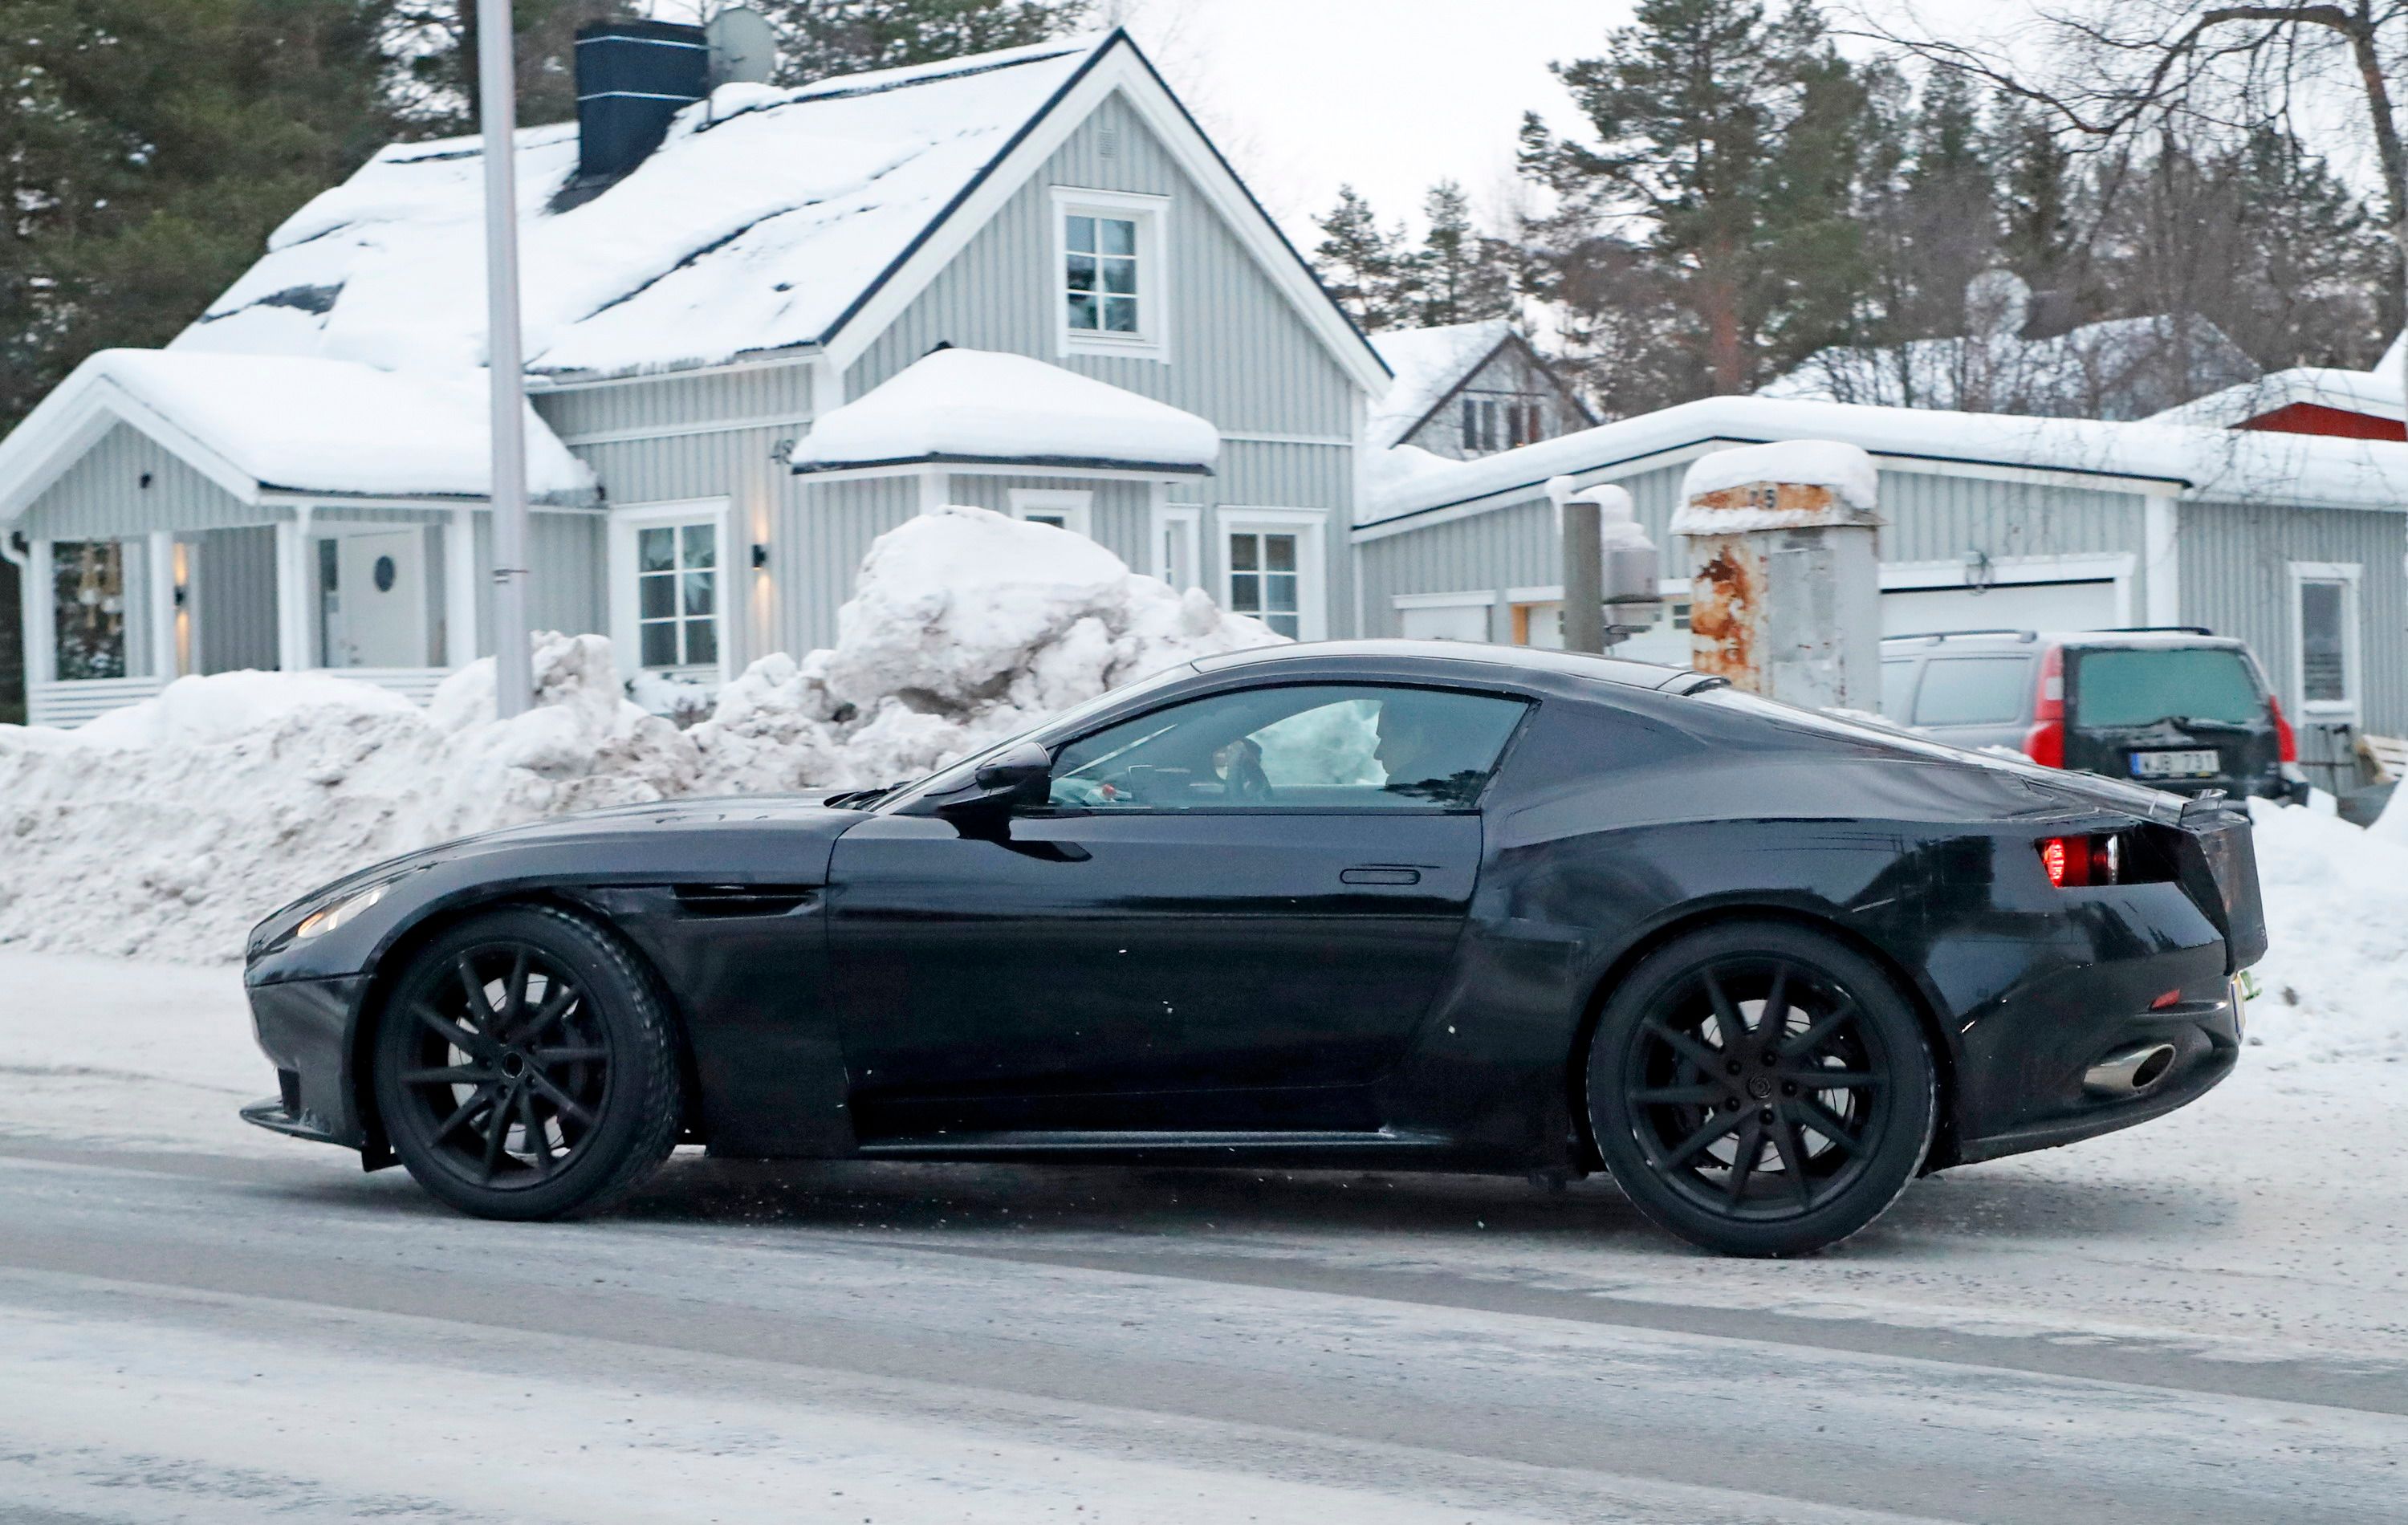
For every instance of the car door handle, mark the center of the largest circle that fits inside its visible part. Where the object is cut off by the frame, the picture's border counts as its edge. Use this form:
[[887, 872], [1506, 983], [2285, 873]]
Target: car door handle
[[1380, 874]]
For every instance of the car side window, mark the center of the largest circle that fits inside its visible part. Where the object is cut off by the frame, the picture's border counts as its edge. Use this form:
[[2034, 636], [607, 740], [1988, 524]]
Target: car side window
[[1298, 746], [1974, 691], [1897, 687]]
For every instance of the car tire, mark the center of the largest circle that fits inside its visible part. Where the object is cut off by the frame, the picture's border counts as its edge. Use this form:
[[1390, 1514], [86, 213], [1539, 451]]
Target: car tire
[[1833, 1100], [526, 1067]]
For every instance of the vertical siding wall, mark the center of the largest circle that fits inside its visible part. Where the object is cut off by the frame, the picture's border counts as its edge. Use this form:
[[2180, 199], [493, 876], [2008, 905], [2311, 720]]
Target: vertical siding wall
[[102, 496], [1239, 356], [2236, 580], [821, 545], [233, 574], [1926, 517], [1120, 511], [712, 436], [567, 590]]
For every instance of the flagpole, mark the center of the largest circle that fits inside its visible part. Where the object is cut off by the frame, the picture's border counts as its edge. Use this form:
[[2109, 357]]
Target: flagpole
[[497, 111]]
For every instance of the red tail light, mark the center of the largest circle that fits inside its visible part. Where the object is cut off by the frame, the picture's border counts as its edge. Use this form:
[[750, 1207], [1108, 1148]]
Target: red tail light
[[2286, 744], [2077, 862], [2045, 743], [2058, 855]]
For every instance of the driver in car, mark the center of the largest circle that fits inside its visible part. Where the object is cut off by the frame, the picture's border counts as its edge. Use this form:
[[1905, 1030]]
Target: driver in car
[[1420, 758]]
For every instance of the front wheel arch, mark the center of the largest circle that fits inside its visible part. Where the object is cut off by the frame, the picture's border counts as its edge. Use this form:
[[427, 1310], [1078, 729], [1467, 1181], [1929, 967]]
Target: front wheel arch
[[1943, 1058], [395, 960]]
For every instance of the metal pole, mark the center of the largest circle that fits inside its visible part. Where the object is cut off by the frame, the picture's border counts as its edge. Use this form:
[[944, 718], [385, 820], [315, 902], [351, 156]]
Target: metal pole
[[1583, 578], [497, 109]]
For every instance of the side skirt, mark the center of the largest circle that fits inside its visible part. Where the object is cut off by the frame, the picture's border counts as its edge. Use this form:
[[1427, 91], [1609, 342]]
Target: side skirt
[[1318, 1150]]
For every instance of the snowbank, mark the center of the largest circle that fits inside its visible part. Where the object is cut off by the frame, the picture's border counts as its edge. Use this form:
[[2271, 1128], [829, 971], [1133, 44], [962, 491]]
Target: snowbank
[[2335, 981], [166, 830]]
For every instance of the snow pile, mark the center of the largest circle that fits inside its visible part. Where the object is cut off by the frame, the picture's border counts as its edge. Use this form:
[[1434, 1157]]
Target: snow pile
[[979, 405], [965, 626], [167, 828], [1847, 470], [2335, 981]]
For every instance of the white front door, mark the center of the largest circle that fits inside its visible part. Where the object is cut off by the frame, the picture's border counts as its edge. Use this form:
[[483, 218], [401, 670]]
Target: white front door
[[377, 615]]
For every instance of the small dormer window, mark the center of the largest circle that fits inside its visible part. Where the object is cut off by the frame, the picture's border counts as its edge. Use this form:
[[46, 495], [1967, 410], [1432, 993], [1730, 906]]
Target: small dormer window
[[1112, 286]]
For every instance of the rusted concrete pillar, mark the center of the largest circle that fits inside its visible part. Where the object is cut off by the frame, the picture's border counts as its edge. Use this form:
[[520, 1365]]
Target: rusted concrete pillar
[[1785, 579]]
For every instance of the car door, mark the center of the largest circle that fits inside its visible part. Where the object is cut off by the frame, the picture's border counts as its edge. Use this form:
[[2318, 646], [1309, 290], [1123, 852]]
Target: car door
[[1231, 913]]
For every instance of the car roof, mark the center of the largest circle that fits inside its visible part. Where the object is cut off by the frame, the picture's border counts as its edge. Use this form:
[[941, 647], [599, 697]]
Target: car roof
[[2035, 640], [1441, 657]]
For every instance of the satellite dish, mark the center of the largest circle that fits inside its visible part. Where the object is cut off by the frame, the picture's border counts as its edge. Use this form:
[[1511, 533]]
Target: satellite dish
[[743, 49]]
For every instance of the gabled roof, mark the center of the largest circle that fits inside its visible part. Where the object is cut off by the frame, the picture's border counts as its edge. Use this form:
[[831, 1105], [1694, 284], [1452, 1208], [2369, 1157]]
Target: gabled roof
[[2372, 393], [1429, 364], [264, 425], [2293, 470], [768, 220], [971, 407]]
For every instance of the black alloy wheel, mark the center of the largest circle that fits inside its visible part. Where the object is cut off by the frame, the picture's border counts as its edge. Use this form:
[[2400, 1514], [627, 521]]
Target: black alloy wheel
[[1760, 1090], [525, 1068]]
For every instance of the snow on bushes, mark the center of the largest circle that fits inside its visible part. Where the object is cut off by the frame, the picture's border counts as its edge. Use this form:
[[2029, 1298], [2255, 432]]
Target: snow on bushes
[[167, 828]]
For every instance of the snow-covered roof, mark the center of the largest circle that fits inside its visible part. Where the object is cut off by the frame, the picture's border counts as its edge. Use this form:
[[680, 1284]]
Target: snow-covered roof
[[284, 424], [2372, 393], [1428, 364], [768, 220], [756, 224], [2249, 465], [979, 406], [2114, 369]]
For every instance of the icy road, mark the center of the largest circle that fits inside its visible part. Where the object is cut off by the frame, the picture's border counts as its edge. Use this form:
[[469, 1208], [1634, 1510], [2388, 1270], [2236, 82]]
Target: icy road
[[2204, 1319]]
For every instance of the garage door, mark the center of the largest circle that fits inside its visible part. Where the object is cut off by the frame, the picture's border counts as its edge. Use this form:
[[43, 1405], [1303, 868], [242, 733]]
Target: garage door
[[1448, 622], [2010, 606]]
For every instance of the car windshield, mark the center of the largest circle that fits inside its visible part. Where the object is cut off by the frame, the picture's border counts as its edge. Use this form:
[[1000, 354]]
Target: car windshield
[[957, 774], [2141, 685]]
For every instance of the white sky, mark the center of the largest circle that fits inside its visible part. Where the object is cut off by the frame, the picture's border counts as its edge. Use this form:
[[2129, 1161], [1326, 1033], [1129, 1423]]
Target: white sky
[[1388, 95]]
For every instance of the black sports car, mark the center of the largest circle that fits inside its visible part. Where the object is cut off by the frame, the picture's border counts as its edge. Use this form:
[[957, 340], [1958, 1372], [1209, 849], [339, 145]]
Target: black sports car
[[1379, 905]]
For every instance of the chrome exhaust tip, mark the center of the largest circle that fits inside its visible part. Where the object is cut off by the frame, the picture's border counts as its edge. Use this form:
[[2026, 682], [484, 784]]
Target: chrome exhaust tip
[[2129, 1071]]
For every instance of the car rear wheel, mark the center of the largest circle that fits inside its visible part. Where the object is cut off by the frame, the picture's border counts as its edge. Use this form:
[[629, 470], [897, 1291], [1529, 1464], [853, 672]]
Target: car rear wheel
[[1758, 1088], [525, 1068]]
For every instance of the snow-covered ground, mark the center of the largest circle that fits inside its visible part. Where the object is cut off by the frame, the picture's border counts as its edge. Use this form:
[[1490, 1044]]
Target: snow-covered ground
[[2198, 1319]]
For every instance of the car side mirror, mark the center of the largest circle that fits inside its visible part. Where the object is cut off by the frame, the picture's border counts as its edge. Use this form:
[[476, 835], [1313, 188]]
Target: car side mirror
[[1018, 778]]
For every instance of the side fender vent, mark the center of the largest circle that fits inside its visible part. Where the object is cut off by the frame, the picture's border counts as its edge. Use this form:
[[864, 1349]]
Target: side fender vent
[[744, 900]]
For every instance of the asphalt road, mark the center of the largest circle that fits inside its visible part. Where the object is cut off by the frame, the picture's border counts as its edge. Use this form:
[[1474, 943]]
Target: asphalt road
[[246, 1334]]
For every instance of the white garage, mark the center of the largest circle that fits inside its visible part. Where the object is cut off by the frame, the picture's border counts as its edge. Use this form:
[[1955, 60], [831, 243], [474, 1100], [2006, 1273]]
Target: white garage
[[1913, 603]]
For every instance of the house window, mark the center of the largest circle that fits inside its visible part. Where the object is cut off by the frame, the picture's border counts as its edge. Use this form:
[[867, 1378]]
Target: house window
[[677, 595], [1271, 568], [1112, 288], [1062, 507], [1263, 579], [88, 609], [2324, 638], [1103, 273], [669, 588]]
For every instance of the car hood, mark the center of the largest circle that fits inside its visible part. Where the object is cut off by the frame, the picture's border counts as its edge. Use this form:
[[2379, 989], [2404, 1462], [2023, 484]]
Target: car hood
[[770, 839]]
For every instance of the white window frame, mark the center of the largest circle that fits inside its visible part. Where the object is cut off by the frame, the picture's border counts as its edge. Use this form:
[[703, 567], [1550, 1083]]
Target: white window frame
[[1311, 580], [1184, 522], [2349, 574], [1075, 505], [1151, 342], [624, 636]]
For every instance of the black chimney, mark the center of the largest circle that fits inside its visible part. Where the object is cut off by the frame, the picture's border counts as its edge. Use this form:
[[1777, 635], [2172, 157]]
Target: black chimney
[[631, 77]]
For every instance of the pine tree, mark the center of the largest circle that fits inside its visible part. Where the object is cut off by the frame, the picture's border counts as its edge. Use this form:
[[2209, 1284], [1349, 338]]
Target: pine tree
[[821, 37], [1464, 276], [1724, 145], [1363, 266]]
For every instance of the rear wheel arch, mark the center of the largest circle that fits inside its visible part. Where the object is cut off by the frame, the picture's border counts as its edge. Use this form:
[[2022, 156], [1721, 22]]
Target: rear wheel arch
[[1575, 1072]]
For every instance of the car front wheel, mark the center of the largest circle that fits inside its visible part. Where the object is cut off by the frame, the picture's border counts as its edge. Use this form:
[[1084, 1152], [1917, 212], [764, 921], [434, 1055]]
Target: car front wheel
[[1758, 1088], [525, 1068]]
